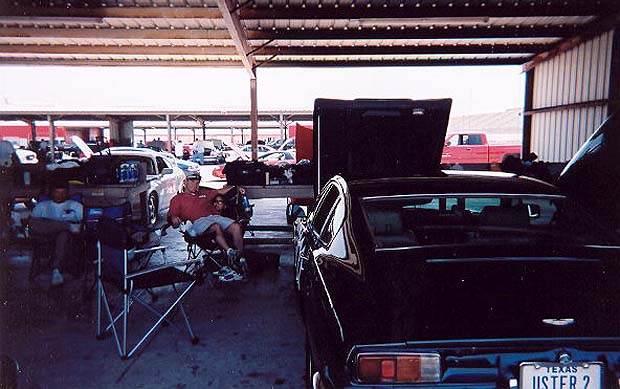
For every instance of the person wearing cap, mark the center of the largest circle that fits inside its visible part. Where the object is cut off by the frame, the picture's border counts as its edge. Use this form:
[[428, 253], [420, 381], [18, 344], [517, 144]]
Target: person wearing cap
[[57, 221], [197, 206]]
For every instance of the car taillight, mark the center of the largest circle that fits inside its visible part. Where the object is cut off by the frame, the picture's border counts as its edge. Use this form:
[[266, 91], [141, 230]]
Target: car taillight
[[398, 368]]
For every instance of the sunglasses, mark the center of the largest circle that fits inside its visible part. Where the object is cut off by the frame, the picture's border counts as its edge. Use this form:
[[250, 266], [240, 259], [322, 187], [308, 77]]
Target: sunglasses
[[218, 202]]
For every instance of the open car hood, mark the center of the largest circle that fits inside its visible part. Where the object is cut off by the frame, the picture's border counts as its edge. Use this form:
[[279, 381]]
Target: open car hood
[[87, 151], [365, 138], [592, 177]]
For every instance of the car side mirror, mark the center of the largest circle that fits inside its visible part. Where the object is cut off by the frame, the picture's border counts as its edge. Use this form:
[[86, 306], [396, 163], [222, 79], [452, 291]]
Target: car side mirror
[[167, 170], [533, 210]]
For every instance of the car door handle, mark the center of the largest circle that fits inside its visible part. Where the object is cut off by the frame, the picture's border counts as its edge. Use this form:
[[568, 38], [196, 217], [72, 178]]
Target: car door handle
[[468, 149]]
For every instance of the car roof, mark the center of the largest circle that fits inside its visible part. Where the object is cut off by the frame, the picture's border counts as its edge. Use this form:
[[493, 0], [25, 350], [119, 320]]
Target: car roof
[[452, 182]]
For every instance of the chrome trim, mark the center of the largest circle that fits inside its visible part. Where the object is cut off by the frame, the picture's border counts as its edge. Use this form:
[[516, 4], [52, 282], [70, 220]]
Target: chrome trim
[[462, 194]]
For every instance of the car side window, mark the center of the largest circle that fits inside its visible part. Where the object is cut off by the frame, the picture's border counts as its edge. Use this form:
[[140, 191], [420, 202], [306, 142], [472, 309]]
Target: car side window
[[161, 164], [334, 222], [323, 210], [475, 140]]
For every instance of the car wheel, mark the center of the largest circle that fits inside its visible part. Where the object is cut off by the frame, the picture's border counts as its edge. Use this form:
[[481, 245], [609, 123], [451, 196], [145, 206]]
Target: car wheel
[[152, 209]]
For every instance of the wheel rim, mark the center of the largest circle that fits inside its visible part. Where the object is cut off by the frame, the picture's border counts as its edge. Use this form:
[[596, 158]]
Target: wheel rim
[[152, 208]]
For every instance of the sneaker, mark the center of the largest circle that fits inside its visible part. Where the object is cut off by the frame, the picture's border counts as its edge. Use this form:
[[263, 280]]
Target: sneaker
[[232, 254], [224, 270], [243, 265], [57, 278], [230, 277]]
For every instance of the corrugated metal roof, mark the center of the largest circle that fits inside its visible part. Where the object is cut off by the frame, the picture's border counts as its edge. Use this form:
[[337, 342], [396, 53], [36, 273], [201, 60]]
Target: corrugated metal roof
[[294, 32]]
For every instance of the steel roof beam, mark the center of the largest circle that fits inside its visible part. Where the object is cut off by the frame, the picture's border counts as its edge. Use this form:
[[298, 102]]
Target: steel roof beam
[[109, 33], [436, 32], [237, 33], [116, 62], [329, 12], [408, 49], [378, 63], [112, 12], [119, 50], [280, 63], [298, 50]]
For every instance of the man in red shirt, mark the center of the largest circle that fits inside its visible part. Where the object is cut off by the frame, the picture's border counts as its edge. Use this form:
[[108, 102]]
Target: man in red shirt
[[197, 206]]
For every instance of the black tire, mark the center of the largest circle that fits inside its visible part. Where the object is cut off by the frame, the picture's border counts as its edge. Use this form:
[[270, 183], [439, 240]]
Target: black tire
[[152, 209]]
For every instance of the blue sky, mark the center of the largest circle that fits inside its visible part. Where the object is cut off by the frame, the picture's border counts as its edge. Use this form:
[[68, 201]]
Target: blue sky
[[474, 89]]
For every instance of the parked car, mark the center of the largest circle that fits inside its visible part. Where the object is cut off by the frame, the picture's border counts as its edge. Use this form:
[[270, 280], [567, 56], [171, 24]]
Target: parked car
[[26, 156], [262, 149], [279, 158], [451, 279], [404, 281], [287, 144], [188, 167], [165, 178]]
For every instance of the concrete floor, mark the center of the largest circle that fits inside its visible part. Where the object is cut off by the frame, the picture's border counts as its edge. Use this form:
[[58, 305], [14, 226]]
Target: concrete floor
[[251, 332]]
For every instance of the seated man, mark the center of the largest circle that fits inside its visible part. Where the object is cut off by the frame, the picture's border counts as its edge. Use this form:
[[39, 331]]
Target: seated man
[[203, 207], [56, 221]]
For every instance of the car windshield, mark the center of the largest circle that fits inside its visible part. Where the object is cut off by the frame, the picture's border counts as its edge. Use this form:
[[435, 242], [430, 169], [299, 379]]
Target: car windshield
[[423, 220]]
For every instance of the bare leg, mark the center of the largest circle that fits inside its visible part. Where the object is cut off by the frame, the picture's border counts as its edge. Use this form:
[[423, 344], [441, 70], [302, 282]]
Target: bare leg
[[237, 235], [219, 236]]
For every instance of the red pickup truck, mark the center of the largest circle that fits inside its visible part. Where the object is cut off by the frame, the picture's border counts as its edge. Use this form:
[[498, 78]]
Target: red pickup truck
[[473, 148]]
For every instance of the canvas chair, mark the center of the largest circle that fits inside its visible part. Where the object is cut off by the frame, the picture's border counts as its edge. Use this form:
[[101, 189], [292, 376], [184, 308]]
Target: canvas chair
[[126, 268]]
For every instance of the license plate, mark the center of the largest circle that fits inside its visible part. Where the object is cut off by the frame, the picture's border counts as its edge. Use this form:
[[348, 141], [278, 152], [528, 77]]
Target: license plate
[[543, 375]]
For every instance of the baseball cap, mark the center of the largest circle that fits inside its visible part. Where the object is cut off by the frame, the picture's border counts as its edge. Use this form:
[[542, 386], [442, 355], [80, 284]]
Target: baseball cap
[[193, 176]]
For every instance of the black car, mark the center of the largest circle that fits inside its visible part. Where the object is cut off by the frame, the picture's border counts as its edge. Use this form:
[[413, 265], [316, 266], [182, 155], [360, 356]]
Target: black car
[[454, 279]]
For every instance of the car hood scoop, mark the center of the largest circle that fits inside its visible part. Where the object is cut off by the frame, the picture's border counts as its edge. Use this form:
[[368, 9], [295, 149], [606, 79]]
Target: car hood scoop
[[492, 298]]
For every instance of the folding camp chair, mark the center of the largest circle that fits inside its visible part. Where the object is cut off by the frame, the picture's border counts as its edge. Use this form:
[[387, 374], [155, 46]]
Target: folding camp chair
[[43, 246], [204, 246], [121, 265]]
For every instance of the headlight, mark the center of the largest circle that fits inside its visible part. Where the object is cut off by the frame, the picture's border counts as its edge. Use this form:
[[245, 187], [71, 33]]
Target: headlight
[[398, 368]]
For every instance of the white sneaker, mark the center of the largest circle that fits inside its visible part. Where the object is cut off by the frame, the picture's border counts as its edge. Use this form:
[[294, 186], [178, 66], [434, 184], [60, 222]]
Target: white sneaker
[[57, 278], [243, 265], [230, 277], [232, 255], [223, 271]]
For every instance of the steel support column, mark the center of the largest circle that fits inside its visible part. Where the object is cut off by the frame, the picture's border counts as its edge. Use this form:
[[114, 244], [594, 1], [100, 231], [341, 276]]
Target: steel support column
[[52, 137], [614, 76], [169, 134], [528, 104], [33, 130], [254, 118]]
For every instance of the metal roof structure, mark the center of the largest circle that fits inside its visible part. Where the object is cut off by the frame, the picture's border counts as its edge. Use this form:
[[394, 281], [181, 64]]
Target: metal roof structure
[[254, 33], [284, 116]]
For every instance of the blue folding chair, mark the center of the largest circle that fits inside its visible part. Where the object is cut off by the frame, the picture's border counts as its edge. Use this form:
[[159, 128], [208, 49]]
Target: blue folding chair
[[126, 268]]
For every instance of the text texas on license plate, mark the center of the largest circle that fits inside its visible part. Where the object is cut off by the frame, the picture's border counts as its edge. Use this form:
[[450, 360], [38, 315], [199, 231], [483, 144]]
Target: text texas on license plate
[[543, 375]]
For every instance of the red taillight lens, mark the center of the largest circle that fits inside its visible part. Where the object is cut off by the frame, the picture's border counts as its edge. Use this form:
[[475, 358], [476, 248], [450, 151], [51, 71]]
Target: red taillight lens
[[398, 368]]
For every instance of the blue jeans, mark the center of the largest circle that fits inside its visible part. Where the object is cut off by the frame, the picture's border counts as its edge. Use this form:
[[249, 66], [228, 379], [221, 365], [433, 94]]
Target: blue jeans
[[200, 156]]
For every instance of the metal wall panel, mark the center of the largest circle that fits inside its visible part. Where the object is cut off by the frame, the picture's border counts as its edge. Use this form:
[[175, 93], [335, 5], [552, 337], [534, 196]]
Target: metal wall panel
[[575, 84]]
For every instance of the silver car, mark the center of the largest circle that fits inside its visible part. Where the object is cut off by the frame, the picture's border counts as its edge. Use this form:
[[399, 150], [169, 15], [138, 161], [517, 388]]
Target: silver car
[[165, 178]]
